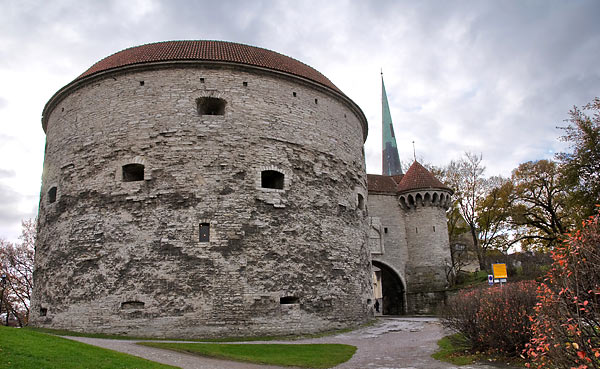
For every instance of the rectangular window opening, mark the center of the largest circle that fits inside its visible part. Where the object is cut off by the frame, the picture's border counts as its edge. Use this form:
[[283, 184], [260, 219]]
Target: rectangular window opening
[[43, 311], [132, 305], [133, 172], [52, 195], [385, 230], [204, 232], [288, 300], [210, 106]]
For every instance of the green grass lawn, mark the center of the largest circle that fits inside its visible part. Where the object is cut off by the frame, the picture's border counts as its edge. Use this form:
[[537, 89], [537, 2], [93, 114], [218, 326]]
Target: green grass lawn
[[454, 349], [457, 350], [27, 349], [300, 355]]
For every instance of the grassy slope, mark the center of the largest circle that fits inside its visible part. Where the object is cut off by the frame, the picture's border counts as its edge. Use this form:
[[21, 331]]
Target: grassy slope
[[300, 355], [24, 349]]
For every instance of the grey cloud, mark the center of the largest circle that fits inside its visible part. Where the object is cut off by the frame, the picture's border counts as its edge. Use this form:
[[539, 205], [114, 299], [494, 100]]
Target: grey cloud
[[6, 173], [9, 205]]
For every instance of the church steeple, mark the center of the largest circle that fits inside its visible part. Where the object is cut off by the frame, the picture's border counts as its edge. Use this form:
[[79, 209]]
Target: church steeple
[[389, 155]]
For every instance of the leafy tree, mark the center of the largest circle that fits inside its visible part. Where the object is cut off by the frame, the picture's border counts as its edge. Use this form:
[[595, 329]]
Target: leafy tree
[[16, 262], [478, 202], [537, 204], [581, 167]]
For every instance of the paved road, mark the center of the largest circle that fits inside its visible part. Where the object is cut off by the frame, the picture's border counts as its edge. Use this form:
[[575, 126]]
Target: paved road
[[392, 343]]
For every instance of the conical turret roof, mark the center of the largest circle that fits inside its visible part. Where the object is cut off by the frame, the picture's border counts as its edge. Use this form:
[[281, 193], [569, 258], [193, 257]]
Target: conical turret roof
[[417, 178]]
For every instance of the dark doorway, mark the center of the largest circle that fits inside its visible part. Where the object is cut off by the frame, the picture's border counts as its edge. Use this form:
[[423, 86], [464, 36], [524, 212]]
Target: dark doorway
[[392, 290]]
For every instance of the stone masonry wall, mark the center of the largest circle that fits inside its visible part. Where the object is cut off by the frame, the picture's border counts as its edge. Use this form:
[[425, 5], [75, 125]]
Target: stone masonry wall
[[386, 208], [429, 254], [125, 257]]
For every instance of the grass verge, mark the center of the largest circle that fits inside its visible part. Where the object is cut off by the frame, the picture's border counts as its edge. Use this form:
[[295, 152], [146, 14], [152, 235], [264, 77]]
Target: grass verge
[[455, 349], [26, 349], [299, 355]]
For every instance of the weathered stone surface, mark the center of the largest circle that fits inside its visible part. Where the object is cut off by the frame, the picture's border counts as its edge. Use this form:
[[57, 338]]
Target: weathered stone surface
[[415, 246], [125, 257]]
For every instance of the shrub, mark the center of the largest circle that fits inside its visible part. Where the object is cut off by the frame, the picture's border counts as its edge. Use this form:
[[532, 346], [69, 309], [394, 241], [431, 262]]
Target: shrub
[[493, 318], [566, 324]]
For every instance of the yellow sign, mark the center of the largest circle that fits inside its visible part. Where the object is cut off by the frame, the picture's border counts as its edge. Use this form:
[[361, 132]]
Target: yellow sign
[[499, 270]]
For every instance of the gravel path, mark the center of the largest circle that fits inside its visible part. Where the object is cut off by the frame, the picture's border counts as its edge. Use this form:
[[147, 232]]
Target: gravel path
[[392, 343]]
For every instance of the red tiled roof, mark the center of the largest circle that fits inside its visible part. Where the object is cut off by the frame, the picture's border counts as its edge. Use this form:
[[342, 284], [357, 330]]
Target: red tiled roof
[[220, 51], [417, 177], [379, 183]]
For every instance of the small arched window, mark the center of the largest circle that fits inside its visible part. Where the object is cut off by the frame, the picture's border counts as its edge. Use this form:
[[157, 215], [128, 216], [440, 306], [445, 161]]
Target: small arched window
[[133, 172], [271, 179], [52, 195], [361, 202], [211, 106]]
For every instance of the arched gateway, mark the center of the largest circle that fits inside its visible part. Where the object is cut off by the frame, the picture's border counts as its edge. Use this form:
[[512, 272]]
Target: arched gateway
[[390, 291]]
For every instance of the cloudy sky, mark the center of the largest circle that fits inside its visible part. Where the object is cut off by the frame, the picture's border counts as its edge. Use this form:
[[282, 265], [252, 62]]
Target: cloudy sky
[[491, 77]]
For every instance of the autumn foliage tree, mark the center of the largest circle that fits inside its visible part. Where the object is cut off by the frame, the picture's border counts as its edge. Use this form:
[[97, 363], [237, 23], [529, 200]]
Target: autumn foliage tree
[[537, 201], [580, 167], [16, 262], [566, 323]]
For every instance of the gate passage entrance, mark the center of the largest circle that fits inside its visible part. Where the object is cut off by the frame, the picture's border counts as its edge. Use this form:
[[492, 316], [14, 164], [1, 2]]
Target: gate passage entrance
[[389, 290]]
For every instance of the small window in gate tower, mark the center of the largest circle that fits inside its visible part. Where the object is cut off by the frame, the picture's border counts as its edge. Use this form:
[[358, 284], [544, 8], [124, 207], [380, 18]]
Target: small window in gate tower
[[52, 195], [204, 232]]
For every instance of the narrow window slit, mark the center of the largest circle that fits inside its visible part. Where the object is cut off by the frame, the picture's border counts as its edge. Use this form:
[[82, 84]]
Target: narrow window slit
[[52, 195], [204, 232], [288, 300], [132, 305]]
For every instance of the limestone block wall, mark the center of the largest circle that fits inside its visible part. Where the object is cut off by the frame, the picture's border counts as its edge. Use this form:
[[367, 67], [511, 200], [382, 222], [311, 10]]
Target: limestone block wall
[[429, 249], [127, 257], [386, 208]]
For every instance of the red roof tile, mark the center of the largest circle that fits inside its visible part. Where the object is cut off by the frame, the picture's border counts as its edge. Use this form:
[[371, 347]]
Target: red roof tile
[[379, 183], [417, 177], [220, 51]]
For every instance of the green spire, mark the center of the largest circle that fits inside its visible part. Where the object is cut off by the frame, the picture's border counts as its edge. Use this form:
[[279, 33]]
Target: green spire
[[389, 154]]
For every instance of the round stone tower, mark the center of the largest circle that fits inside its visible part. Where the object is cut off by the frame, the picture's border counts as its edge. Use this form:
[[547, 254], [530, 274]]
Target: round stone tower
[[202, 188], [425, 201]]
